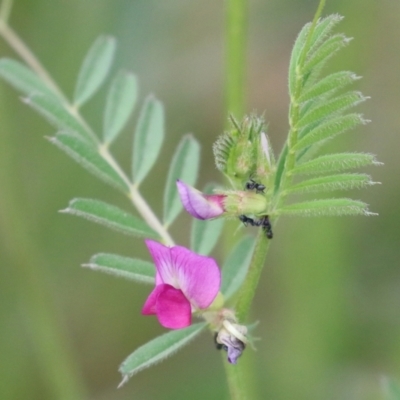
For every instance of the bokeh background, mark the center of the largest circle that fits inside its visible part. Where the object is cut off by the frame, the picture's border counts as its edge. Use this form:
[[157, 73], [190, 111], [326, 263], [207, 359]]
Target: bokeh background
[[329, 301]]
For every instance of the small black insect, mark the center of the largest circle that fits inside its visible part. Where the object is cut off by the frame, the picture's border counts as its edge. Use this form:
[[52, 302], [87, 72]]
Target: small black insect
[[266, 226], [264, 222], [252, 184], [247, 221]]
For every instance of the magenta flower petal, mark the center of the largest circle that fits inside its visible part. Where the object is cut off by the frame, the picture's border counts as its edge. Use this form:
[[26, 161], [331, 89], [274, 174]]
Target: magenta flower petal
[[199, 205], [150, 306], [173, 308], [199, 277]]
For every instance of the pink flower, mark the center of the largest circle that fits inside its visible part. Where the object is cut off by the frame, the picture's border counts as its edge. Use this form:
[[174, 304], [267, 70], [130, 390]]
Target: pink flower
[[200, 205], [185, 282]]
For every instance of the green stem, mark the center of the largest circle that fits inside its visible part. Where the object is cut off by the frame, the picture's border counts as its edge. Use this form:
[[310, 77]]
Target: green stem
[[235, 378], [248, 289], [15, 42], [240, 376], [235, 59]]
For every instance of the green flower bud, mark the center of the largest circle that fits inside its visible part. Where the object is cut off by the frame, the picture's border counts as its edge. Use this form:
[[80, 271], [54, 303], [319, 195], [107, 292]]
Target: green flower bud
[[243, 152]]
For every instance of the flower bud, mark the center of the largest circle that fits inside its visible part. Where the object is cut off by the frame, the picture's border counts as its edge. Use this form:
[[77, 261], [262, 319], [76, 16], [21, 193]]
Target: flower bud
[[200, 205], [243, 152], [229, 203]]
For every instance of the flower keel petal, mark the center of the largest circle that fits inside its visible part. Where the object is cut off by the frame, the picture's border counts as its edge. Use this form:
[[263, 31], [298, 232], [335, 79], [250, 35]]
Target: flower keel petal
[[173, 309]]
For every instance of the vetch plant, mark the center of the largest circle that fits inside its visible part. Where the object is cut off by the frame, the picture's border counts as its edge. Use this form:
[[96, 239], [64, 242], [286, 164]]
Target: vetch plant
[[187, 282]]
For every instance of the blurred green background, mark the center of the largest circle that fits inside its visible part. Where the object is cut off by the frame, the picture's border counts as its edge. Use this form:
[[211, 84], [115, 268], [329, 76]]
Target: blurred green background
[[329, 301]]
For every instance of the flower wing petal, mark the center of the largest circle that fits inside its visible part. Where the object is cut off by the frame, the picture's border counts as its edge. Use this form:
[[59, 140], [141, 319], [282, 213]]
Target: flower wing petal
[[173, 309], [199, 205], [149, 307], [199, 276]]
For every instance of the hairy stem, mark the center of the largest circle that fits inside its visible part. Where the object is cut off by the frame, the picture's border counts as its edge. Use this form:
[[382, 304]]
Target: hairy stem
[[15, 42], [235, 379], [26, 54], [247, 290], [239, 376]]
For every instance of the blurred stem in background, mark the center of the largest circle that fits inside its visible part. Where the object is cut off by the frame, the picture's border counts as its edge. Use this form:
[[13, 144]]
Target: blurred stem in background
[[54, 355], [235, 57]]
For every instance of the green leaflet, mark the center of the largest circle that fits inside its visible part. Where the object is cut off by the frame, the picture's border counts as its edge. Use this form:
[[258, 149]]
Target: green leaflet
[[331, 183], [90, 158], [95, 68], [236, 265], [322, 30], [294, 58], [184, 166], [110, 216], [328, 85], [324, 52], [335, 162], [158, 350], [326, 207], [205, 235], [124, 267], [149, 136], [23, 78], [121, 100], [329, 129], [327, 109], [53, 110]]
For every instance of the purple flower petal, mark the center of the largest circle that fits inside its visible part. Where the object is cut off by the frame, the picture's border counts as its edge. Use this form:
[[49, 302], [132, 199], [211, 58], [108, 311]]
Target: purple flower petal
[[199, 277], [234, 353], [199, 205]]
